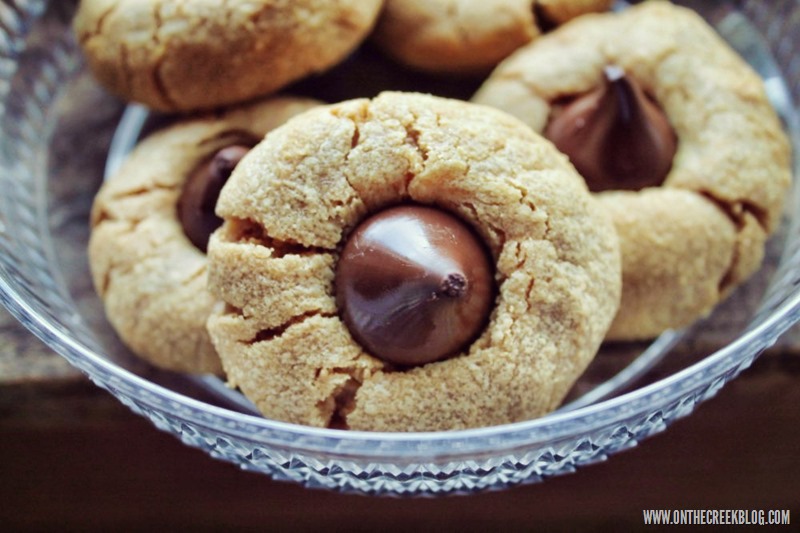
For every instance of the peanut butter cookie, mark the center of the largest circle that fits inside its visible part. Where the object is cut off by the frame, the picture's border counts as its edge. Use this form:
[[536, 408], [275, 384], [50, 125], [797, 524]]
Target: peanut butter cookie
[[467, 36], [184, 56], [150, 224], [675, 133], [409, 263]]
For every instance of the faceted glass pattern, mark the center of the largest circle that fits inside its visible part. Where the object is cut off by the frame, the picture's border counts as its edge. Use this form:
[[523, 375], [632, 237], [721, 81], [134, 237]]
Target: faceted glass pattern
[[34, 287]]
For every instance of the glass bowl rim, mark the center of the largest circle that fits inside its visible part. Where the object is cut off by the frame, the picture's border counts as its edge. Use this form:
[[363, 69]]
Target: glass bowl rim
[[541, 430], [530, 433]]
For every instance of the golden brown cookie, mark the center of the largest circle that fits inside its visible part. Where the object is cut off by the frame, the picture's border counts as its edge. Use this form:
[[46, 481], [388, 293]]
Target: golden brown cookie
[[688, 242], [467, 36], [294, 202], [152, 279], [557, 12], [183, 56]]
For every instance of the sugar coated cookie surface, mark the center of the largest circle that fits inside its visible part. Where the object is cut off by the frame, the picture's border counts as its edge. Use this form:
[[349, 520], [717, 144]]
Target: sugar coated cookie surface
[[691, 238], [182, 56], [465, 35], [150, 276], [295, 201]]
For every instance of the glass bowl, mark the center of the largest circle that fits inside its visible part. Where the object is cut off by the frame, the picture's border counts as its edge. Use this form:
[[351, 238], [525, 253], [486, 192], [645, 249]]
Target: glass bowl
[[60, 133]]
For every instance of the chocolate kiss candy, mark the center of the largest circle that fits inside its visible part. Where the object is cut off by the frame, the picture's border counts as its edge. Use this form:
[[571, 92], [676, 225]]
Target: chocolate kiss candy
[[414, 285], [200, 192], [616, 136]]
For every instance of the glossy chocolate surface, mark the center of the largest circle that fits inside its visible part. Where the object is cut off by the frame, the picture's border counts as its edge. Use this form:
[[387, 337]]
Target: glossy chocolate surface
[[616, 135], [200, 192], [414, 285]]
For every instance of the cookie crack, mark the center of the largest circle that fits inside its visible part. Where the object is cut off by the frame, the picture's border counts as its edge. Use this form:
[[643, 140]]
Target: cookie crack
[[270, 334], [355, 139], [529, 292], [197, 274], [498, 233], [736, 212], [547, 229], [249, 231], [413, 139], [518, 255], [105, 282], [101, 216], [158, 65], [105, 215], [413, 135], [342, 401], [99, 25], [524, 199]]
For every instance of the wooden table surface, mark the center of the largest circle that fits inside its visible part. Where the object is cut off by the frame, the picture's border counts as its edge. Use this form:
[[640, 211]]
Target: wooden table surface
[[72, 457]]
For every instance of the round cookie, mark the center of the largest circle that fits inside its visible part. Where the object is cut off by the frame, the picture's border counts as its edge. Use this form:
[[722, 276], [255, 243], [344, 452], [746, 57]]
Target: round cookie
[[465, 36], [183, 56], [291, 206], [689, 241], [151, 278]]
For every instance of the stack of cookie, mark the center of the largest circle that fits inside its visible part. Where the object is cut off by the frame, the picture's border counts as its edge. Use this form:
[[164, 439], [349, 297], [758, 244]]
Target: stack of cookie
[[410, 262]]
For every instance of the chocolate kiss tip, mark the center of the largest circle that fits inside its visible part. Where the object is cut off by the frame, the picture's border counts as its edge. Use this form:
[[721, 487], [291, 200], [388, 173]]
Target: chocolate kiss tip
[[454, 285], [613, 73]]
